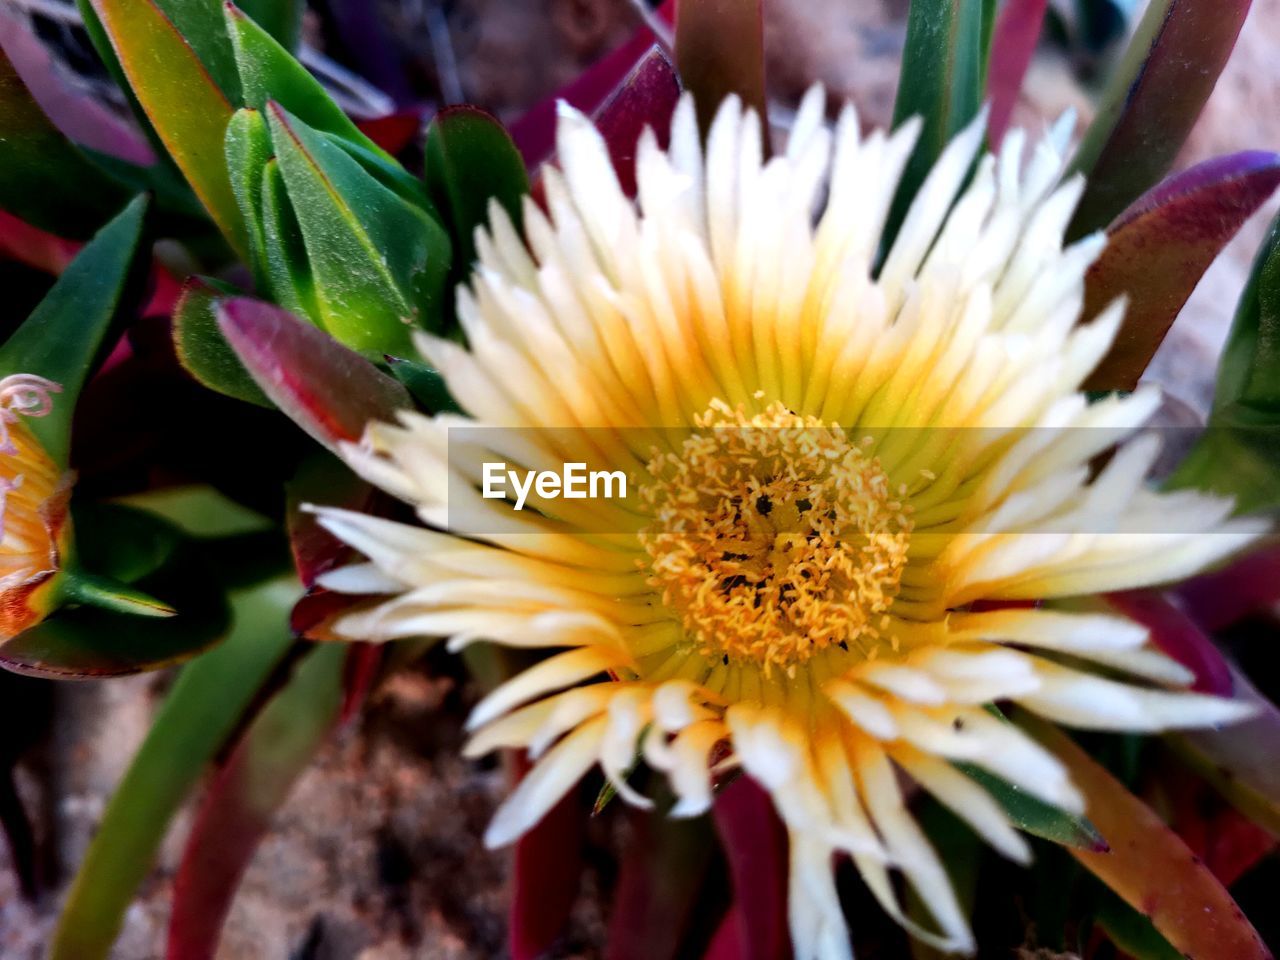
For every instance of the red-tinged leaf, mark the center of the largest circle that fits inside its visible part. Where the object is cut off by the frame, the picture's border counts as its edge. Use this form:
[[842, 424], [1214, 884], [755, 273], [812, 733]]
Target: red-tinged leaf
[[1224, 838], [364, 662], [181, 99], [545, 876], [647, 98], [35, 247], [330, 391], [73, 110], [202, 710], [1148, 866], [1240, 760], [755, 844], [720, 51], [315, 613], [237, 810], [395, 132], [323, 480], [727, 942], [664, 869], [23, 243], [1017, 32], [1219, 599], [1158, 249], [535, 132], [1152, 101], [1177, 635]]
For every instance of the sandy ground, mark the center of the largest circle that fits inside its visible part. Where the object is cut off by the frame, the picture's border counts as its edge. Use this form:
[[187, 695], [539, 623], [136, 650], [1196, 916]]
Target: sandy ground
[[376, 856]]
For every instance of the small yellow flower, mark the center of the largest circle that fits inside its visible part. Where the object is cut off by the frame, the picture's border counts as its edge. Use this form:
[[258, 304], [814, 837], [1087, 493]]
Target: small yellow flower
[[34, 497], [846, 481]]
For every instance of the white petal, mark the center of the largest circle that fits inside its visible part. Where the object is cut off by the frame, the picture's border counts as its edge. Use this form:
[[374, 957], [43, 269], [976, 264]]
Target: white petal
[[549, 780]]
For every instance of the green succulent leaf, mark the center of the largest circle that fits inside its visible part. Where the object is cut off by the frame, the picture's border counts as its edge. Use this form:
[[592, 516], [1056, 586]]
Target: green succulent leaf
[[1151, 103], [38, 163], [1239, 454], [1133, 933], [378, 263], [101, 43], [270, 72], [471, 161], [288, 271], [202, 26], [206, 705], [200, 511], [426, 385], [185, 81], [92, 590], [65, 334], [99, 632], [942, 79], [280, 18], [1036, 817], [201, 347], [248, 148]]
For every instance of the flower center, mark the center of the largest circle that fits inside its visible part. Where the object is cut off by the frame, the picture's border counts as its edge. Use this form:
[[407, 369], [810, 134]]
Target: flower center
[[774, 536]]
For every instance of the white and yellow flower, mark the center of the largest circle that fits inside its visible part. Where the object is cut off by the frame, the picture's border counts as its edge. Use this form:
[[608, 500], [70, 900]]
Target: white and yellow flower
[[846, 479]]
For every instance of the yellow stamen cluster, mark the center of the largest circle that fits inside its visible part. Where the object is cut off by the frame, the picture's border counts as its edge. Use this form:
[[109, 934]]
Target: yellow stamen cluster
[[774, 536]]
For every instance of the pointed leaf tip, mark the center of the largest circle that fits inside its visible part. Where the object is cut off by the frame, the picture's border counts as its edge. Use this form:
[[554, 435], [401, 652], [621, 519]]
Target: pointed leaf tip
[[1148, 865], [86, 588], [329, 390], [67, 331], [1151, 103], [1160, 247]]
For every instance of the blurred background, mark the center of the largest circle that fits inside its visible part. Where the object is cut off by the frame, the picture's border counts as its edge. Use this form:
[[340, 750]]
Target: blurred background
[[377, 855]]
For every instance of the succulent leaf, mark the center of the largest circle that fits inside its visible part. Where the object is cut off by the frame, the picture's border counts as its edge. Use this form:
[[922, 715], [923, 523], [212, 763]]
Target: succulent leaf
[[181, 82], [201, 347], [755, 844], [236, 812], [1017, 31], [1240, 761], [1148, 866], [1151, 102], [186, 604], [470, 160], [646, 98], [67, 332], [205, 706], [941, 82], [1160, 247], [1239, 453], [378, 263], [330, 391]]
